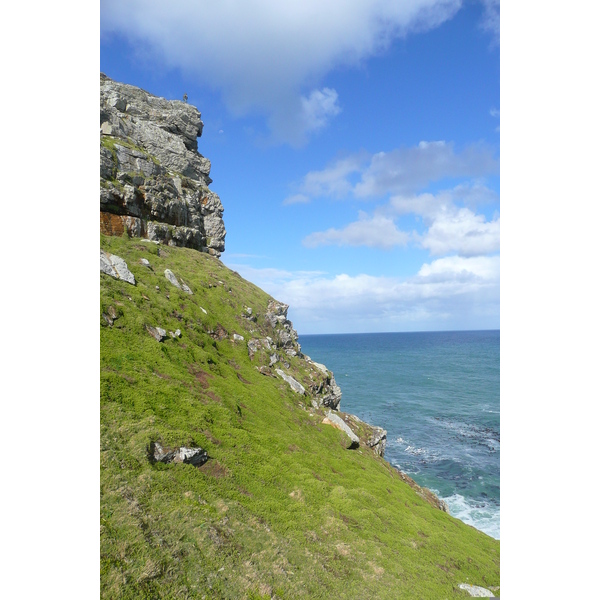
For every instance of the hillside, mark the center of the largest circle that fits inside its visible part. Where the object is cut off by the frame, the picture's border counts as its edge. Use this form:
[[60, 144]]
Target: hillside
[[227, 466]]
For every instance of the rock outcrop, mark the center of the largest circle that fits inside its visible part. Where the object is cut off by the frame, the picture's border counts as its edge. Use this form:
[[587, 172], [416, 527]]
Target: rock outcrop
[[153, 182]]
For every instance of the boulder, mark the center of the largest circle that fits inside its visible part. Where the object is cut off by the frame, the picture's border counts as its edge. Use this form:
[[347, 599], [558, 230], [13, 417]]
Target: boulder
[[295, 385], [116, 267], [173, 280], [338, 423], [476, 591], [191, 456], [158, 333]]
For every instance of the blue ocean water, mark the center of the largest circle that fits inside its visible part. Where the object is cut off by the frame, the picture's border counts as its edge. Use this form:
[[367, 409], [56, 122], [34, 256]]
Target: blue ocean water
[[438, 396]]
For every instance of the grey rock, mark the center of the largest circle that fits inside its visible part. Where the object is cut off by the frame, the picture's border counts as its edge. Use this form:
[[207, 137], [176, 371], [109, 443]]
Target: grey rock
[[377, 436], [116, 267], [278, 308], [145, 262], [192, 456], [319, 366], [295, 385], [173, 280], [238, 338], [175, 334], [339, 423], [255, 344], [378, 440], [150, 169], [325, 391], [158, 333], [476, 591]]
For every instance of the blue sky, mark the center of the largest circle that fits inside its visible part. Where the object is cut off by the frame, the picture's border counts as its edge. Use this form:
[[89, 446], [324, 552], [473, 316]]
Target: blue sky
[[355, 147]]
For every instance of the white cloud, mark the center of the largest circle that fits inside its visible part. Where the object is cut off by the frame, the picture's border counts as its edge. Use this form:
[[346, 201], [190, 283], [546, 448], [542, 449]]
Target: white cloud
[[462, 231], [401, 171], [448, 293], [490, 21], [375, 232], [480, 268], [449, 228], [320, 106], [333, 180], [407, 170], [265, 54], [296, 199]]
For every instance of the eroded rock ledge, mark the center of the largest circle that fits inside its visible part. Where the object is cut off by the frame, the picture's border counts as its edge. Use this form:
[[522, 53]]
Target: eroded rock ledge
[[153, 182]]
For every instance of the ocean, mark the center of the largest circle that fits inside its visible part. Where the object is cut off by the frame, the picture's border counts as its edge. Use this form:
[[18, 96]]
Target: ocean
[[438, 396]]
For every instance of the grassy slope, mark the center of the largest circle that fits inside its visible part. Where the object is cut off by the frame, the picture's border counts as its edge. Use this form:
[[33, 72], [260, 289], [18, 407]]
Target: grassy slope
[[281, 509]]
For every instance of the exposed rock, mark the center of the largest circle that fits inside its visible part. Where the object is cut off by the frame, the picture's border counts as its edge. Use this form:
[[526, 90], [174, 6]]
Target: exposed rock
[[116, 267], [145, 262], [172, 279], [337, 422], [285, 335], [296, 386], [256, 345], [158, 333], [111, 315], [476, 591], [192, 456], [263, 370], [325, 391], [374, 437], [175, 334], [153, 182], [219, 333], [238, 338]]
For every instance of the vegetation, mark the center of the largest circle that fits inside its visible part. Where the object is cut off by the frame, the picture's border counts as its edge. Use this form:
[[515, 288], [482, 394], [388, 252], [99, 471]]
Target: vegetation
[[281, 509]]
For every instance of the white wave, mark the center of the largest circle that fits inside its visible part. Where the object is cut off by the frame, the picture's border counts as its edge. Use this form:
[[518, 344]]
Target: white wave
[[480, 514]]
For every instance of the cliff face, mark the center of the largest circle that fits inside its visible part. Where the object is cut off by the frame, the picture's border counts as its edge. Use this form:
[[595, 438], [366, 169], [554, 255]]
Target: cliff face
[[153, 182]]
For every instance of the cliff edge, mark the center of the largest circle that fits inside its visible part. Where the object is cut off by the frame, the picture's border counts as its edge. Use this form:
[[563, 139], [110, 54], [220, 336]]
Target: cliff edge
[[153, 182]]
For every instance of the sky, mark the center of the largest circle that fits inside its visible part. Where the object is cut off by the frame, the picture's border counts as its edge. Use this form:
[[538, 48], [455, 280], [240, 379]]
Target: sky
[[355, 146]]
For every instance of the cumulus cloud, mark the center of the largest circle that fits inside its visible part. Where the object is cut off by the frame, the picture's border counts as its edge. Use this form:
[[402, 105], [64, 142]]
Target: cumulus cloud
[[268, 55], [406, 170], [462, 231], [451, 291], [449, 228], [401, 171], [375, 232], [479, 269]]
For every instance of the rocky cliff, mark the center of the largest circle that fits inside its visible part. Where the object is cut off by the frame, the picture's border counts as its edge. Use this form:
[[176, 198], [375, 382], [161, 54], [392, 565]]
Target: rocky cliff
[[153, 182]]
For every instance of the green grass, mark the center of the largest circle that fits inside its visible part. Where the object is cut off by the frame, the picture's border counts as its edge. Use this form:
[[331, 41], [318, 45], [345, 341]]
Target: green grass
[[281, 509]]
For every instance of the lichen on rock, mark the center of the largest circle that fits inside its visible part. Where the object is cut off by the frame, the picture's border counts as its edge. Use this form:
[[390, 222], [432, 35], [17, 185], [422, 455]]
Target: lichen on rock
[[153, 182]]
